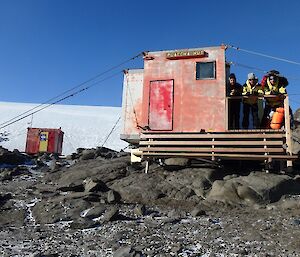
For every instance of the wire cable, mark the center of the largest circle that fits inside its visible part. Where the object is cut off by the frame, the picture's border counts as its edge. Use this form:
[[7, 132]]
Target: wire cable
[[73, 88], [263, 55], [124, 148], [247, 67], [113, 128], [59, 100], [255, 68]]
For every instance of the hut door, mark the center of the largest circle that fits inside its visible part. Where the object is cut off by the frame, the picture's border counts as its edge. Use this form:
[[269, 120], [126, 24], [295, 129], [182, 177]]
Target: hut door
[[43, 141], [161, 105]]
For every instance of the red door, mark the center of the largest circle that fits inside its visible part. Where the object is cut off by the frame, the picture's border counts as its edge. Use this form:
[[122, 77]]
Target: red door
[[51, 142], [161, 105]]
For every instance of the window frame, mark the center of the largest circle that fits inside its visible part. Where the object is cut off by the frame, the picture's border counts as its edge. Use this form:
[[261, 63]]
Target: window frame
[[198, 70]]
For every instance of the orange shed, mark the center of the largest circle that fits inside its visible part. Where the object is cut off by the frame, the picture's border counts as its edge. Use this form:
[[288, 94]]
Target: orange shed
[[44, 140]]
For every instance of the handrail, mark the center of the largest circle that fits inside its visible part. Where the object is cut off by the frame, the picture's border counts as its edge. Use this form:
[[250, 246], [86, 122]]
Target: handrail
[[279, 96]]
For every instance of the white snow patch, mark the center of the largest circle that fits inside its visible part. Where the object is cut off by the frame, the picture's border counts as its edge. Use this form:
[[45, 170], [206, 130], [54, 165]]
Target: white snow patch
[[83, 126]]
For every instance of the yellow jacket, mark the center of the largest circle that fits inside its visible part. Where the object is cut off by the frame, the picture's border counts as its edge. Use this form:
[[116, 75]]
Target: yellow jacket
[[275, 89], [252, 92]]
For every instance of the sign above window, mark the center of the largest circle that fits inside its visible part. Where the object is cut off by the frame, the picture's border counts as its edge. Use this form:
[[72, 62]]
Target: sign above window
[[186, 54]]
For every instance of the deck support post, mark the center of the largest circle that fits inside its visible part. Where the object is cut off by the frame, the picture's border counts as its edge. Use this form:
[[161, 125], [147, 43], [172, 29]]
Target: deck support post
[[287, 125], [213, 153], [147, 167]]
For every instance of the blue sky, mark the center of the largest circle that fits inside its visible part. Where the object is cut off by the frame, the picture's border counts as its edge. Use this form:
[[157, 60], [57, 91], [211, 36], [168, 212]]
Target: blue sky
[[50, 46]]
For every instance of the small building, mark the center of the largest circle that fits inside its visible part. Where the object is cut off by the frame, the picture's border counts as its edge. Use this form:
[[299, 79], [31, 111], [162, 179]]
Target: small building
[[178, 91], [44, 140], [177, 105]]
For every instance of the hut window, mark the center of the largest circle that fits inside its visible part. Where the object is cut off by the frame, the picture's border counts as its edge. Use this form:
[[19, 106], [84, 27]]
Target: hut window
[[205, 70]]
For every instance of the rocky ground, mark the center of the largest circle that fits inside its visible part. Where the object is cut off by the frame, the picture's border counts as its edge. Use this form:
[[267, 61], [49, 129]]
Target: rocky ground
[[96, 203]]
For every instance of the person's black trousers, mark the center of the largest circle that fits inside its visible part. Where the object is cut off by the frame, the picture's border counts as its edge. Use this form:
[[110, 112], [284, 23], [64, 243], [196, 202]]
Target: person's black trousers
[[246, 111]]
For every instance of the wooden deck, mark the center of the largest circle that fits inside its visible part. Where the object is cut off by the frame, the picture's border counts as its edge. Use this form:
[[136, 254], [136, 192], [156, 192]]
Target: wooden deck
[[252, 144], [238, 144]]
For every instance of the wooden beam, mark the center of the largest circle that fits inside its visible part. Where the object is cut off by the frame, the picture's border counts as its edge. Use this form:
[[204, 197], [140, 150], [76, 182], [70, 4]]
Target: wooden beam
[[205, 136], [235, 131], [231, 156], [208, 149], [149, 143]]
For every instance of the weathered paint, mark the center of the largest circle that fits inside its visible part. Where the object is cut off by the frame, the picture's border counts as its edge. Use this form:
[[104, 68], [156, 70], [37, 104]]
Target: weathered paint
[[132, 104], [198, 104], [161, 105], [44, 140]]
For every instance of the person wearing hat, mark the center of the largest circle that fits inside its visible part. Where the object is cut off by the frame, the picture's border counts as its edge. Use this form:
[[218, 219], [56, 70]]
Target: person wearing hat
[[273, 83], [234, 89], [265, 82], [251, 89]]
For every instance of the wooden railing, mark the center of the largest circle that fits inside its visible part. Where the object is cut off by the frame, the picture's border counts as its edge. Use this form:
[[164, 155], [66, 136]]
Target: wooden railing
[[262, 144], [253, 144]]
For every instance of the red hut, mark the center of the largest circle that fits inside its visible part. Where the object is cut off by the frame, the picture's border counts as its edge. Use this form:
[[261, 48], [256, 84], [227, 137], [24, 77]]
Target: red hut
[[177, 106], [44, 140]]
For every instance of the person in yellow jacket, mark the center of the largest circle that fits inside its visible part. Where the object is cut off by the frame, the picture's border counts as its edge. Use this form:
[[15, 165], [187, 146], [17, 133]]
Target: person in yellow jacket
[[251, 89], [274, 84]]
